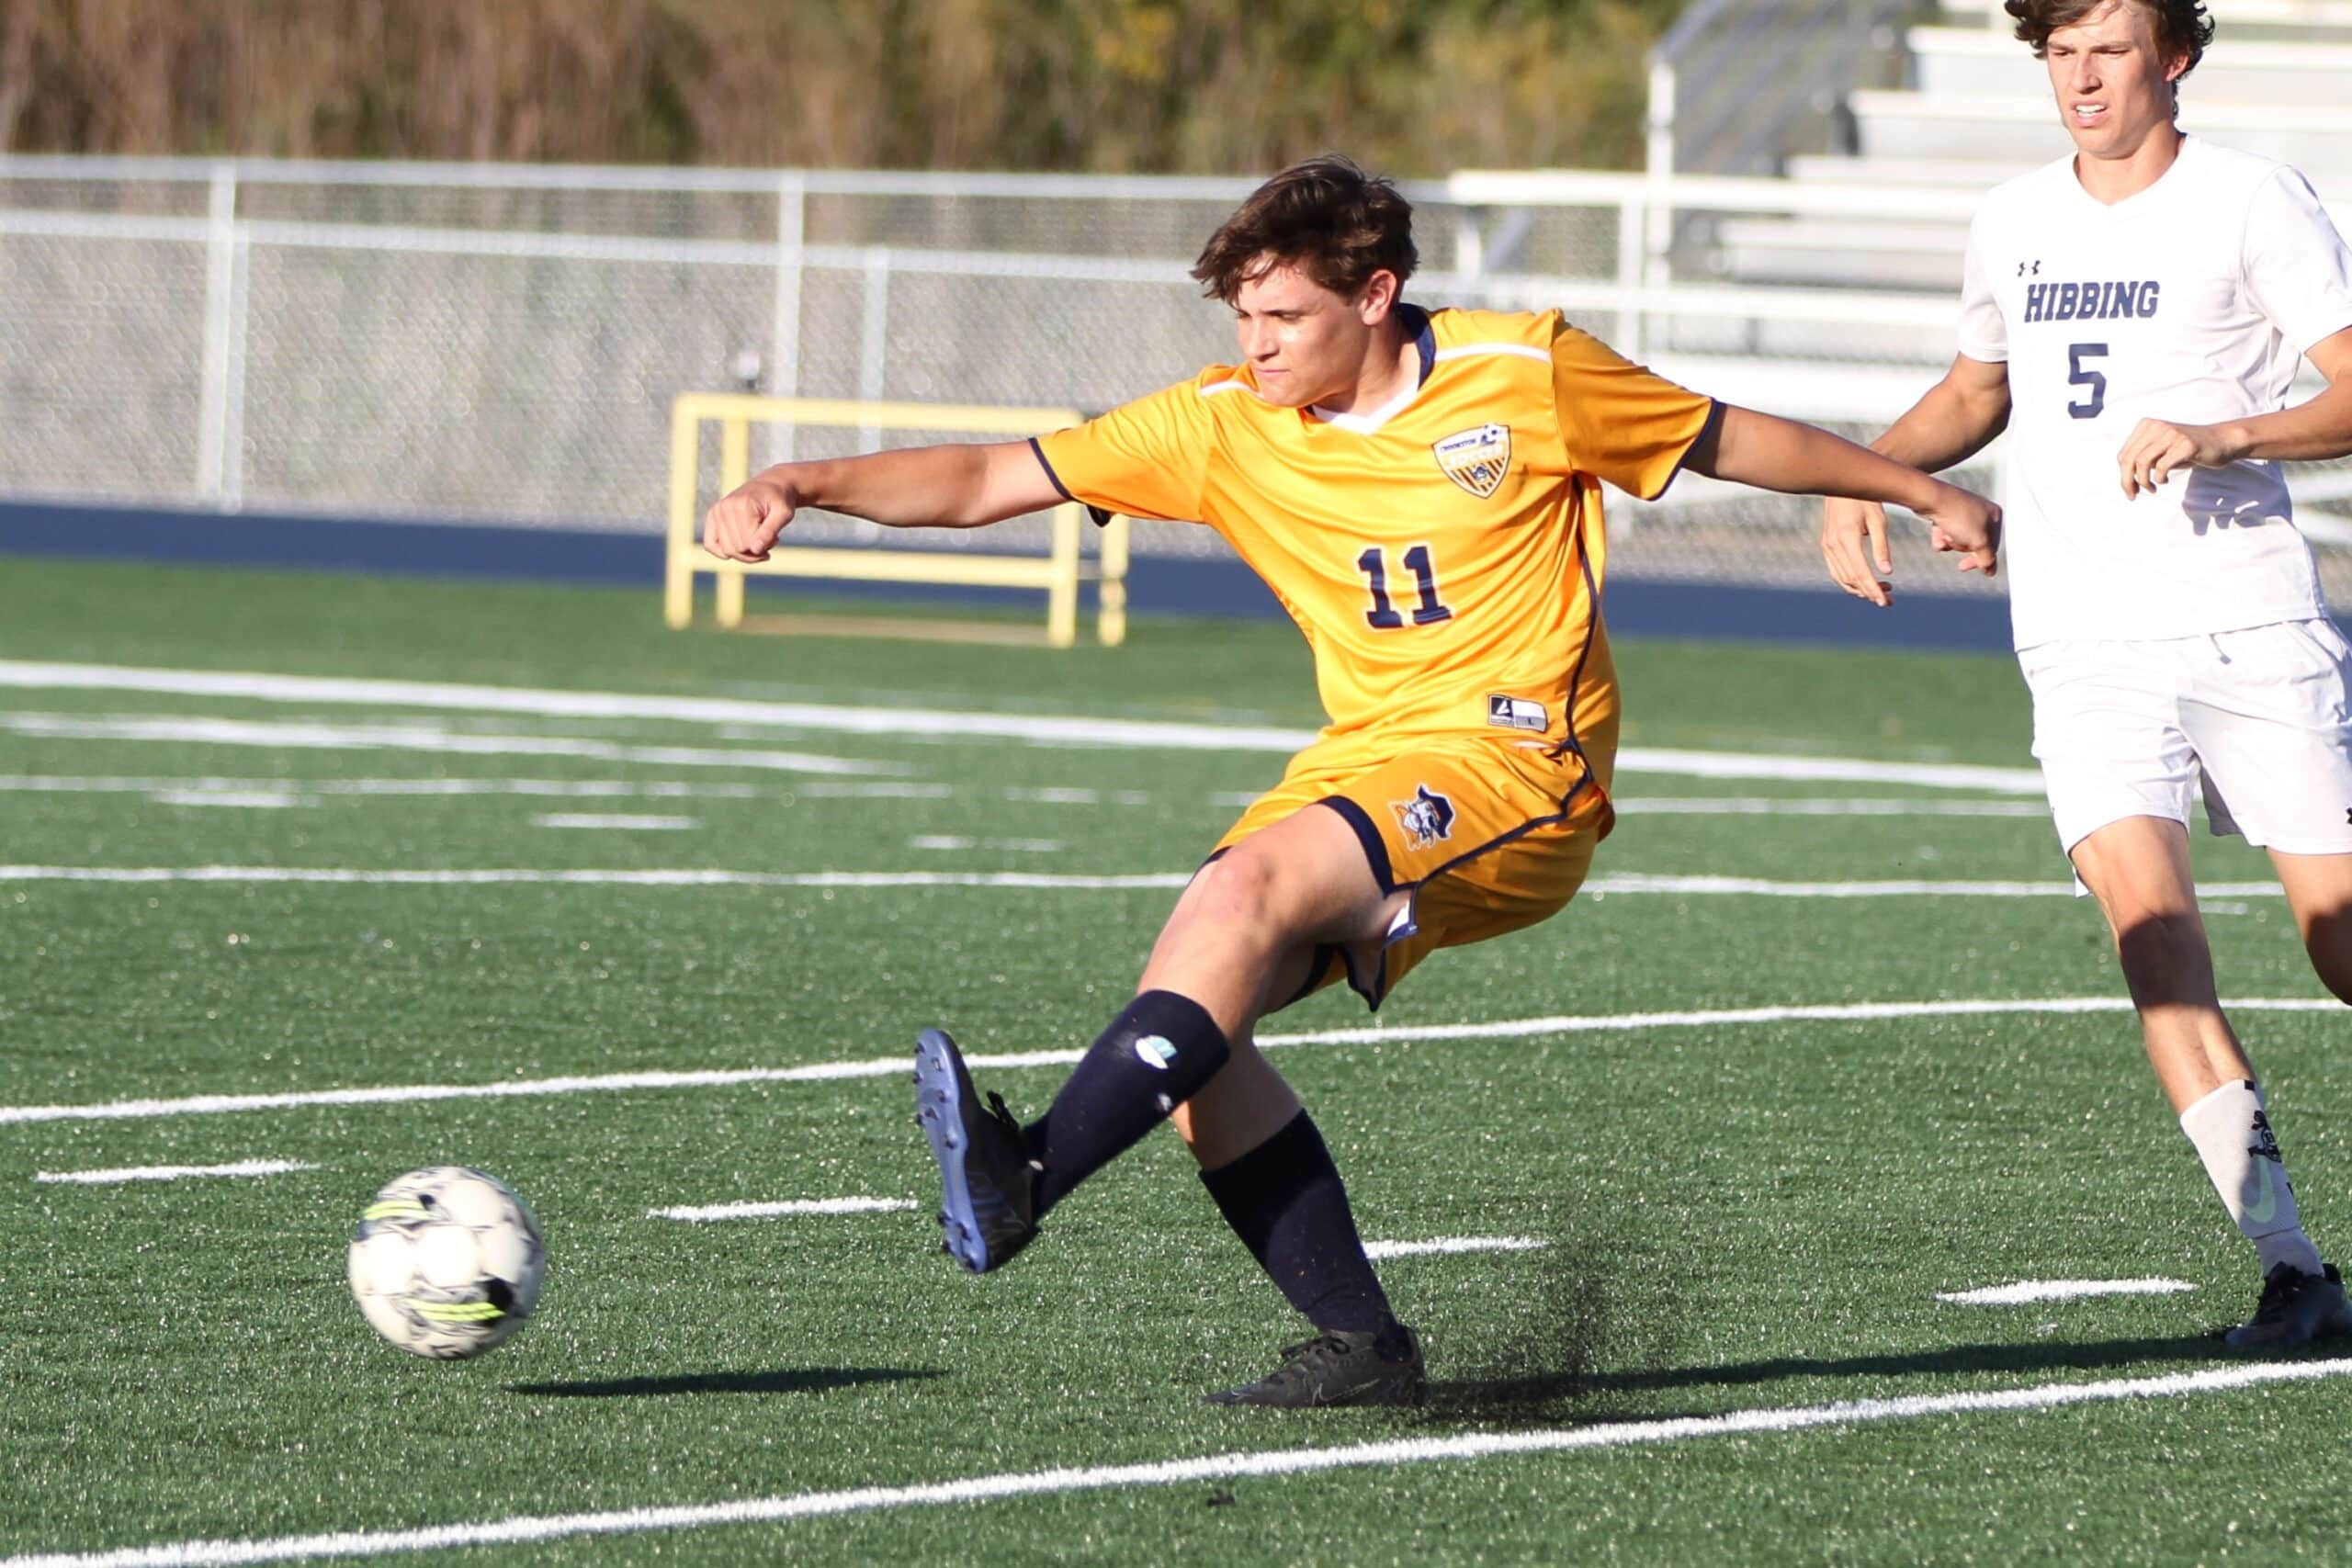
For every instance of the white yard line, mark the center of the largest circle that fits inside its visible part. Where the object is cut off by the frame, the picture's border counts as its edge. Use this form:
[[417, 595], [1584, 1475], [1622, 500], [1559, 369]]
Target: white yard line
[[1767, 805], [329, 876], [253, 799], [790, 1206], [592, 789], [527, 1528], [1627, 883], [829, 718], [2026, 1291], [926, 723], [1764, 887], [278, 735], [1676, 805], [406, 1094], [876, 791], [1740, 765], [588, 789], [879, 1067], [610, 820], [171, 1172], [796, 1206], [1836, 1013], [1446, 1245]]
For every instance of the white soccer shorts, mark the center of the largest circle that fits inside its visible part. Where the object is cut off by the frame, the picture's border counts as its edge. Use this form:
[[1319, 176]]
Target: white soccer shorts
[[2261, 719]]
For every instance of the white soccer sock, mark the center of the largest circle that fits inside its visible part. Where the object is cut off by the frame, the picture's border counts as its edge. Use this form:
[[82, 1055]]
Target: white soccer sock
[[2233, 1137]]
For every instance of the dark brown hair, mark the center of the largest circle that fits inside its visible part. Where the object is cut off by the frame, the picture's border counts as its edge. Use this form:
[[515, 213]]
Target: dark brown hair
[[1326, 216], [2182, 26]]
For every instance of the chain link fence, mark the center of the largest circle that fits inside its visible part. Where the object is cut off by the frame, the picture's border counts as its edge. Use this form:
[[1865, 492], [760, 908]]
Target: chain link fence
[[485, 343]]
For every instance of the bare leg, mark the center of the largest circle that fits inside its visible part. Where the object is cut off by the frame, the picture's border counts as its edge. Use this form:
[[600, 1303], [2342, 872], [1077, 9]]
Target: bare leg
[[2319, 890], [1239, 943], [2138, 870], [1249, 1102], [1300, 882], [1275, 899]]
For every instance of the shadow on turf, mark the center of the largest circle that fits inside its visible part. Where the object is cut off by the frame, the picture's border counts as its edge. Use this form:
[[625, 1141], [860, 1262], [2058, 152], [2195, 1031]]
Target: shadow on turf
[[2044, 1355], [1537, 1368], [1573, 1316], [797, 1380], [1555, 1396]]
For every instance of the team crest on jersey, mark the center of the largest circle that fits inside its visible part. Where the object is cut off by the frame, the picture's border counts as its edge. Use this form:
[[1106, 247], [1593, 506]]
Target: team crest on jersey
[[1476, 459], [1427, 817]]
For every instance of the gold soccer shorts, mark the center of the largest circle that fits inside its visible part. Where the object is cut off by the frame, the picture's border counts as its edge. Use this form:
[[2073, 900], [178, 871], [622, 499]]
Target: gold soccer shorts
[[1488, 833]]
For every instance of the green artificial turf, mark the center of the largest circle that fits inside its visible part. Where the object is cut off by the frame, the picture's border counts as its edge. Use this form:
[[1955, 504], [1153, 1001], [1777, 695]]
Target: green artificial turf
[[1736, 1215]]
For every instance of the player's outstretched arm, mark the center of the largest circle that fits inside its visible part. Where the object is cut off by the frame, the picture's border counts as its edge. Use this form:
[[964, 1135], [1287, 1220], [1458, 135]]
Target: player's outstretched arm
[[1769, 453], [1951, 424], [2311, 432], [937, 486]]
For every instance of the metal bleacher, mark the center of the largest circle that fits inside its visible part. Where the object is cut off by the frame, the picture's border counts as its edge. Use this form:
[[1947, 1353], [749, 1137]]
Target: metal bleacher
[[1977, 110], [1885, 129]]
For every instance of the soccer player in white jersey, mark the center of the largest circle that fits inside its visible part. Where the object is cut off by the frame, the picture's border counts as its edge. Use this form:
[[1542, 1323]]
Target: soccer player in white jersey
[[2133, 315]]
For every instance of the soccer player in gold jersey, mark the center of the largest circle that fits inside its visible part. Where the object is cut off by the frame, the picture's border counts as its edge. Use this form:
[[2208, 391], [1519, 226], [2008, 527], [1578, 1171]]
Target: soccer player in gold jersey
[[1421, 490]]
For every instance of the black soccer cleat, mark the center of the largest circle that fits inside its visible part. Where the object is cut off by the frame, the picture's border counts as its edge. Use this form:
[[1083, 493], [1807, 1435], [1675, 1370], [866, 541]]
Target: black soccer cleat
[[988, 1202], [1336, 1367], [2295, 1309]]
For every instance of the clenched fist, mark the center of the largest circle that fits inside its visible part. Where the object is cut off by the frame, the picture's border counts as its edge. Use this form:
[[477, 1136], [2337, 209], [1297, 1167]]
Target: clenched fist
[[742, 525]]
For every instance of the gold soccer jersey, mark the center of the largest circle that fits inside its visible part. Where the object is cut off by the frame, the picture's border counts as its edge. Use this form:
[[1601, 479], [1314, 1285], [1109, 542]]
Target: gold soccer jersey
[[1443, 555]]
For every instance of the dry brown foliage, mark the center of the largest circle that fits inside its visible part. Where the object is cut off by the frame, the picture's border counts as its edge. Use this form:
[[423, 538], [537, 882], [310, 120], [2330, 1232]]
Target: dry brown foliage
[[1410, 87]]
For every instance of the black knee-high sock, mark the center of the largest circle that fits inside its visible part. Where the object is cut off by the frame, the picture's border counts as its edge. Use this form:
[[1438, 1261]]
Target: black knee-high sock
[[1285, 1201], [1156, 1055]]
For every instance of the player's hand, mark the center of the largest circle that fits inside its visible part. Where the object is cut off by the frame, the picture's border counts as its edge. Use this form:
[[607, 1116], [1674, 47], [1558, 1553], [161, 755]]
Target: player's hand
[[742, 525], [1963, 523], [2159, 449], [1853, 544]]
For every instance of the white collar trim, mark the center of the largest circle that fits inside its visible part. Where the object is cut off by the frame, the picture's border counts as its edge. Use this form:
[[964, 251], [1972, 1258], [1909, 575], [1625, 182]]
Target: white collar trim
[[1365, 424]]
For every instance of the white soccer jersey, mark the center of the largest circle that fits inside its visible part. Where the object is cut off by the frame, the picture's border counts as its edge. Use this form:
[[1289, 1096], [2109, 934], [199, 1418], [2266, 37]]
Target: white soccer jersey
[[2191, 301]]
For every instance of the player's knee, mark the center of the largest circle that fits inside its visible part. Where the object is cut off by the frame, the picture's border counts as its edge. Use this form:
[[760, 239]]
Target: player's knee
[[2146, 912], [1242, 893], [2158, 935], [2131, 899], [2164, 959]]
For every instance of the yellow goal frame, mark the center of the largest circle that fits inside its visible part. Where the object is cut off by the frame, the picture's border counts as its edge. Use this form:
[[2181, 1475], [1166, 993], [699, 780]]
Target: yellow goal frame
[[1058, 572]]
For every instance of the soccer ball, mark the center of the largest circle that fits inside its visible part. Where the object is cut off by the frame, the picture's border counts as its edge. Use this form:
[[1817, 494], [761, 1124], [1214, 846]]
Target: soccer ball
[[447, 1262]]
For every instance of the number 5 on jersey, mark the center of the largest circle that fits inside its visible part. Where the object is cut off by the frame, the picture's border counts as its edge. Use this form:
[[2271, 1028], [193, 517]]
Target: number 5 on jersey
[[1382, 615], [2082, 375]]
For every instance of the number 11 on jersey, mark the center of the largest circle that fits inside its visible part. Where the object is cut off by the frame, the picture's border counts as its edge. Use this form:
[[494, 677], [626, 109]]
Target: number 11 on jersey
[[1382, 615]]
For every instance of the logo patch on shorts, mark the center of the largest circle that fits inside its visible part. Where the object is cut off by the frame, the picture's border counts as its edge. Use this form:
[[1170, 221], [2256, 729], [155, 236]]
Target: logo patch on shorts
[[1427, 817], [1476, 459], [1516, 712]]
